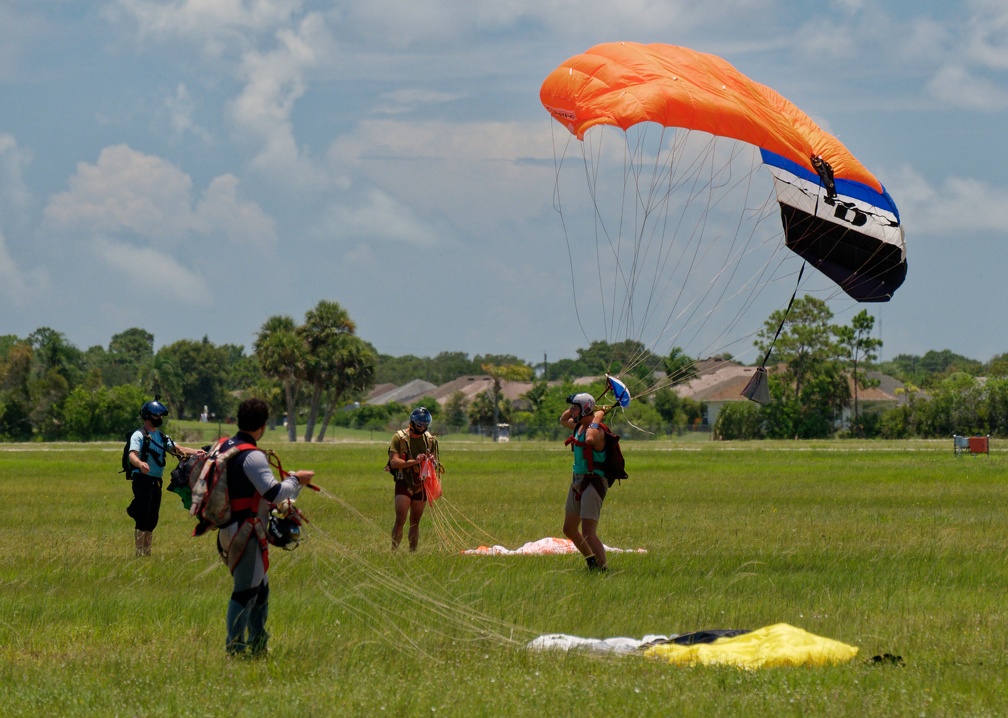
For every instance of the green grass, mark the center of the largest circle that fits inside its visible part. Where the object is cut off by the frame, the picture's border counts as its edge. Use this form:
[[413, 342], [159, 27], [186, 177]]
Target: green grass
[[892, 547]]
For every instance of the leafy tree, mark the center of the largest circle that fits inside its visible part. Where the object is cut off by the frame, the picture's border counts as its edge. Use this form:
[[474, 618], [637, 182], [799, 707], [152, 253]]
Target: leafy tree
[[455, 411], [499, 373], [486, 413], [804, 343], [128, 352], [679, 367], [203, 369], [52, 352], [860, 349], [354, 363], [739, 420], [102, 413]]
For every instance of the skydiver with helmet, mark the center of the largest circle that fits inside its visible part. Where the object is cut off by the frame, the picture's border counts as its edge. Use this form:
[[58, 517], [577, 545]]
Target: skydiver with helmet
[[148, 450], [588, 487], [407, 451]]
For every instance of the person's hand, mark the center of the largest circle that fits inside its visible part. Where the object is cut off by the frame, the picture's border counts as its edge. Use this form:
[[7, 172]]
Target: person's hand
[[421, 458], [144, 467], [304, 476]]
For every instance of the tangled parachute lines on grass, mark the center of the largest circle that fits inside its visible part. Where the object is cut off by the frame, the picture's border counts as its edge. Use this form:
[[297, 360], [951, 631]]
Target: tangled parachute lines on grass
[[676, 234], [399, 602]]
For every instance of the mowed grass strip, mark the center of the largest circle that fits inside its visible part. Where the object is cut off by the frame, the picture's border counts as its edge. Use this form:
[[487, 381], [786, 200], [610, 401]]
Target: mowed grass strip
[[893, 547]]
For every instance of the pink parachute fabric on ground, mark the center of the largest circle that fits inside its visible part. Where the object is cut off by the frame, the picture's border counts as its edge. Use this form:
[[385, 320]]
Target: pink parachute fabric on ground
[[431, 480], [549, 546]]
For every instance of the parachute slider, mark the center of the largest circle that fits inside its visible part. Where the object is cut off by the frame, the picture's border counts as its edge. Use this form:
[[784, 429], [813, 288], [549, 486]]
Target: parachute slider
[[758, 388]]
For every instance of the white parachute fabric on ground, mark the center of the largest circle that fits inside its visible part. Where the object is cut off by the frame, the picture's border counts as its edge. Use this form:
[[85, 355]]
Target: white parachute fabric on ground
[[548, 546], [565, 642]]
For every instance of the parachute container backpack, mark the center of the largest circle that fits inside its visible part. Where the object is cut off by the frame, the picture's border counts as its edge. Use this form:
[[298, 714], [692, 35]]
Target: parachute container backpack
[[210, 502], [698, 197]]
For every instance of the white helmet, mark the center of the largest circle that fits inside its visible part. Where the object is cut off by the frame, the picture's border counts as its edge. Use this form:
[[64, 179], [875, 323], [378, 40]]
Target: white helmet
[[585, 402]]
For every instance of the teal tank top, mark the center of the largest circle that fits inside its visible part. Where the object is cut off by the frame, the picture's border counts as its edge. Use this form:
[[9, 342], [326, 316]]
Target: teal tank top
[[580, 465]]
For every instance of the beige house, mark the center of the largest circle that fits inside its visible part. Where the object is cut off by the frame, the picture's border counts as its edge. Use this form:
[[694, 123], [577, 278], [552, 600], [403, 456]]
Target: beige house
[[721, 381]]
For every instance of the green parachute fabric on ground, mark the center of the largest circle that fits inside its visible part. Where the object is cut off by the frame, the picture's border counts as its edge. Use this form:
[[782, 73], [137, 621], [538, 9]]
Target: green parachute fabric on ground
[[773, 646]]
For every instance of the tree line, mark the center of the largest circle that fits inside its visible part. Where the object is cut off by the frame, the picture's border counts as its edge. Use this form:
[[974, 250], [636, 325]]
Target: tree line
[[315, 373]]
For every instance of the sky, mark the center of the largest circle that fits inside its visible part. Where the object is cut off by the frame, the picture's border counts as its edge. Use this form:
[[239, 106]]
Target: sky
[[193, 167]]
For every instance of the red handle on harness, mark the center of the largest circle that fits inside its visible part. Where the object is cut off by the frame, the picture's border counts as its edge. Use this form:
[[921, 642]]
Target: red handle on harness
[[274, 461]]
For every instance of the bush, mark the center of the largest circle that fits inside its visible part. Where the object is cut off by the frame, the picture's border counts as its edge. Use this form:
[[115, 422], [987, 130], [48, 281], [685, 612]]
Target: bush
[[102, 413], [739, 420]]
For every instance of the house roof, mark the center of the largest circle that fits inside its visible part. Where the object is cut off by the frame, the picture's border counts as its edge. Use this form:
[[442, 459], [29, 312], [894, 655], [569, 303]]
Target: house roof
[[472, 385], [403, 394], [716, 380]]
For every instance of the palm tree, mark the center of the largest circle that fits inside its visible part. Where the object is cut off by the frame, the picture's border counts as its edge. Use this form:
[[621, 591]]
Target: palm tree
[[282, 353]]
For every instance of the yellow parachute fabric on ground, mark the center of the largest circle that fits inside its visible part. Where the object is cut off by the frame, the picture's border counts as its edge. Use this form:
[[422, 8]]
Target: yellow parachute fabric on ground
[[769, 647]]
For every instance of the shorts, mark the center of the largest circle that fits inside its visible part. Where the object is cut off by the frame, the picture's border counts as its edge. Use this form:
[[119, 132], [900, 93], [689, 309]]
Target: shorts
[[402, 488], [589, 506]]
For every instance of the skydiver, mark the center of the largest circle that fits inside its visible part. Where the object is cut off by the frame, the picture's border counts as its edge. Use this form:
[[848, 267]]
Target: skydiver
[[588, 488], [148, 450], [407, 451]]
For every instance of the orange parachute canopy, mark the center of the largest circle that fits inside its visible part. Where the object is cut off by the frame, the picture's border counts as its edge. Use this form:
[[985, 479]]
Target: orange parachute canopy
[[626, 83], [836, 214]]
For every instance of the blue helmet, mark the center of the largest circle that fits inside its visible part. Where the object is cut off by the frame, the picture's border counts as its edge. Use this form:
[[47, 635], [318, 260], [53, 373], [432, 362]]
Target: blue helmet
[[420, 418], [153, 410]]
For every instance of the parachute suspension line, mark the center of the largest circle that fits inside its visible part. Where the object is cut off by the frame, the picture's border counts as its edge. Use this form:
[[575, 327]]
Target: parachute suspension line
[[758, 388], [757, 282], [784, 318], [558, 208], [398, 603]]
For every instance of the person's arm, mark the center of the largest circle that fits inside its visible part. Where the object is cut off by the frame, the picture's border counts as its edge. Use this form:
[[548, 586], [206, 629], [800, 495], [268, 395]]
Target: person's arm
[[398, 463], [136, 442], [567, 419], [257, 469], [181, 451], [595, 436], [134, 459]]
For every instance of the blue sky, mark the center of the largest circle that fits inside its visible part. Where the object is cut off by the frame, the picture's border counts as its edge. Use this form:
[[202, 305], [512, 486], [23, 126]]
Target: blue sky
[[194, 166]]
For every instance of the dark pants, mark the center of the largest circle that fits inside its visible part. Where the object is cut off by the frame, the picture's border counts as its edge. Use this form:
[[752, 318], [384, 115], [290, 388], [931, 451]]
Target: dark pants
[[146, 504]]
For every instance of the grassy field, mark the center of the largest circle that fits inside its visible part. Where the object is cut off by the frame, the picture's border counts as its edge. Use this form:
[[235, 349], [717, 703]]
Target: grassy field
[[892, 547]]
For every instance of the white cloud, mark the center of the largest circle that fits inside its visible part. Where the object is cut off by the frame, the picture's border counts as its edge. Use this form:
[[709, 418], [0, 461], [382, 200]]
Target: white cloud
[[274, 81], [400, 102], [213, 22], [14, 193], [962, 87], [957, 206], [989, 36], [19, 287], [135, 266], [221, 211], [144, 195], [180, 109], [377, 216], [471, 141]]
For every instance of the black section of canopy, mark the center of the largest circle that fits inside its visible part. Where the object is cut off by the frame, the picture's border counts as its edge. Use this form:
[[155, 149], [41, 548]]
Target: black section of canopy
[[866, 268]]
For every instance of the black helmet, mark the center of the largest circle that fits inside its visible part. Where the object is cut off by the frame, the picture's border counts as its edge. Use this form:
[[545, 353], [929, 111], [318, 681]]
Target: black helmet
[[153, 410], [420, 418], [283, 532]]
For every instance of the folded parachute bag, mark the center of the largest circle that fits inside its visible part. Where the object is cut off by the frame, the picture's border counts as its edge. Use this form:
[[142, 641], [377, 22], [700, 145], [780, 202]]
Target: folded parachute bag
[[769, 647]]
